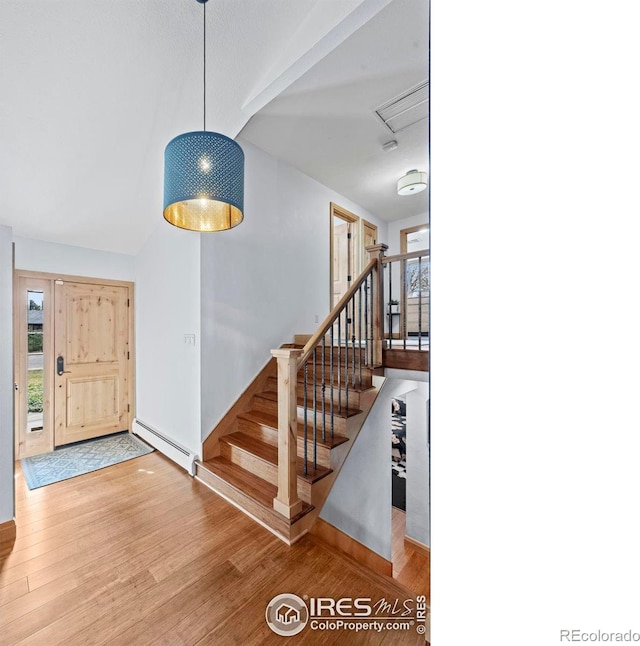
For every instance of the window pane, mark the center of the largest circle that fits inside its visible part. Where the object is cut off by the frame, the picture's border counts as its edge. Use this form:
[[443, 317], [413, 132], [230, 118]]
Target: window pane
[[35, 360]]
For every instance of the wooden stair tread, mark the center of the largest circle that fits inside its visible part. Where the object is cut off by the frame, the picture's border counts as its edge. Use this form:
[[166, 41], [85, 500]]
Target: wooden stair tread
[[249, 484], [269, 453], [271, 421], [345, 412]]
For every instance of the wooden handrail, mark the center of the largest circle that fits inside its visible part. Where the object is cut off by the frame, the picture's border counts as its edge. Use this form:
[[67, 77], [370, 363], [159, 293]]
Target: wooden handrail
[[335, 312], [406, 256]]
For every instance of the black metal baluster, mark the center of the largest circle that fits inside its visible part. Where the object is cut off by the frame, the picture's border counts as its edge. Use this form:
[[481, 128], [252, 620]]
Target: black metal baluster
[[324, 386], [403, 291], [331, 371], [339, 370], [306, 365], [315, 411], [371, 317], [366, 320], [419, 302], [346, 356], [389, 307], [360, 336], [353, 341]]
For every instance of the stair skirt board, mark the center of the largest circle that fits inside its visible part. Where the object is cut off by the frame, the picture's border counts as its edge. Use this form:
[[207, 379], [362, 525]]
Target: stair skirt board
[[277, 534], [174, 451]]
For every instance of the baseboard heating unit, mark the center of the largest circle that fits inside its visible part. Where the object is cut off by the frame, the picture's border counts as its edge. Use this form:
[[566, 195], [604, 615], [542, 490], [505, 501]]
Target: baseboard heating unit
[[166, 446]]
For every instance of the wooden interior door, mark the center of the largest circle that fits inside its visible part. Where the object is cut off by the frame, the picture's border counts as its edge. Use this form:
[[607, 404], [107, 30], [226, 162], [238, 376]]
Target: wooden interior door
[[342, 255], [369, 238], [91, 351]]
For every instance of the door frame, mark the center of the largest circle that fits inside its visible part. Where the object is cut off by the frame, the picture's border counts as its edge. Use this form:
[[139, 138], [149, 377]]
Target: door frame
[[338, 211], [22, 284], [19, 368], [404, 233]]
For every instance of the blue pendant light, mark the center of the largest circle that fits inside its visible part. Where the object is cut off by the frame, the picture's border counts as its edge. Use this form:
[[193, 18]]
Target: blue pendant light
[[203, 177]]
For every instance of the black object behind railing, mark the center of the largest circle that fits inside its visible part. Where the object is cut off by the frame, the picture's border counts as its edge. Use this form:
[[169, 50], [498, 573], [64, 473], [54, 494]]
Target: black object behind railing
[[407, 289]]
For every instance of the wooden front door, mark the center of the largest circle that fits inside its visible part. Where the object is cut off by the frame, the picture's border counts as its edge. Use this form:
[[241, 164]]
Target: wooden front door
[[91, 350]]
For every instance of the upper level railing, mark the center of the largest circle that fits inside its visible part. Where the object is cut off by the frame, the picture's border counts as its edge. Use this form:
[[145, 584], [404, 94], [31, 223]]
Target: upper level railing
[[351, 338], [406, 295]]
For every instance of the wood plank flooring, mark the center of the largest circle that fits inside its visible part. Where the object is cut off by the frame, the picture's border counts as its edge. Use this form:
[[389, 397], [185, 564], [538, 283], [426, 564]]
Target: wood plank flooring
[[140, 553], [410, 568]]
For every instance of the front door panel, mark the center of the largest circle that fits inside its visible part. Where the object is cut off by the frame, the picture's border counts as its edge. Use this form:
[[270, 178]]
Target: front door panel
[[91, 349]]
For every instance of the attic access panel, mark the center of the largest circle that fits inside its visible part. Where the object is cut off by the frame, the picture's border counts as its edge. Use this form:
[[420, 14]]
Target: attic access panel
[[404, 110]]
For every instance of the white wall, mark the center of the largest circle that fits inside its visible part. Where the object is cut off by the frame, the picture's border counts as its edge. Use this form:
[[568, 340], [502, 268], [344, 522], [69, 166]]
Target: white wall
[[6, 376], [418, 507], [394, 228], [51, 257], [167, 306], [265, 280], [360, 501]]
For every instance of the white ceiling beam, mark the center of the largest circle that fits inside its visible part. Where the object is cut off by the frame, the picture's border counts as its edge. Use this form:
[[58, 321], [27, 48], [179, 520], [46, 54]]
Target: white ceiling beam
[[292, 68]]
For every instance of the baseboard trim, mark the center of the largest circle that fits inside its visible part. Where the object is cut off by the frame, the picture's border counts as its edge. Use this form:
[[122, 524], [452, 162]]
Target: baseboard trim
[[349, 545], [7, 536], [417, 546]]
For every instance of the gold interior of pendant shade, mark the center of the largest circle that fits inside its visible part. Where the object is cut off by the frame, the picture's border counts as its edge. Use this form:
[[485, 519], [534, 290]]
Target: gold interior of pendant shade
[[203, 215]]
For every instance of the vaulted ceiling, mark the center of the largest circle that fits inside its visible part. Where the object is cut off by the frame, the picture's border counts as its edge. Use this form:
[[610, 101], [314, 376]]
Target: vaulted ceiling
[[91, 92], [325, 123]]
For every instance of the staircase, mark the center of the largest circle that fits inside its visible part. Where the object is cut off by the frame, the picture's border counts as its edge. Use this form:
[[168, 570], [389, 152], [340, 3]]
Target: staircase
[[241, 464], [277, 452]]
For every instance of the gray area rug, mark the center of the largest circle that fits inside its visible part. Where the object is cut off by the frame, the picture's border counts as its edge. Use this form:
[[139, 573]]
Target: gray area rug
[[82, 457]]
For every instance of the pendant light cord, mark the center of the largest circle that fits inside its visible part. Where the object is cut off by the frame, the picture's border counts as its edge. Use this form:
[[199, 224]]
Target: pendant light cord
[[204, 65]]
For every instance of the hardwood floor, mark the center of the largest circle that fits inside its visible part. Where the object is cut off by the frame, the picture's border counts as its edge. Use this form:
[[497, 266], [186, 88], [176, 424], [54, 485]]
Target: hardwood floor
[[140, 553], [410, 568]]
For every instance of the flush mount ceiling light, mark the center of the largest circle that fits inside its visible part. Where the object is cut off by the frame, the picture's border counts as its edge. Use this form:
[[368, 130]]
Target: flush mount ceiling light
[[203, 174], [413, 182]]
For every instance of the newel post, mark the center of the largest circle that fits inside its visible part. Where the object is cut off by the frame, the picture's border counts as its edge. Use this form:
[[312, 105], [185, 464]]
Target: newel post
[[377, 251], [287, 502]]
